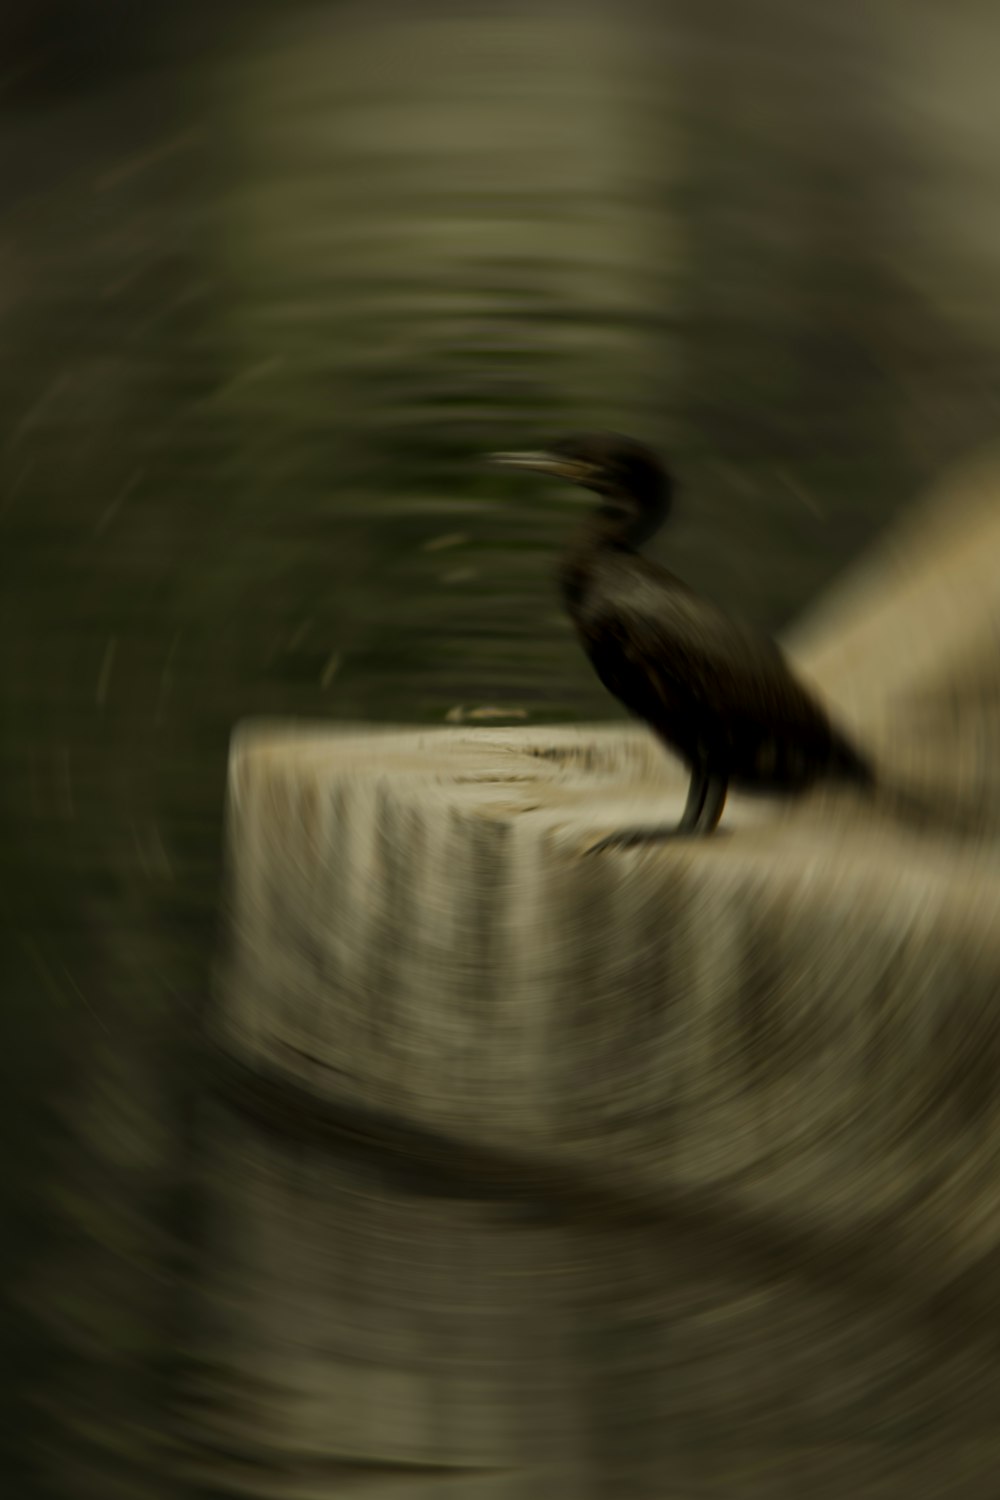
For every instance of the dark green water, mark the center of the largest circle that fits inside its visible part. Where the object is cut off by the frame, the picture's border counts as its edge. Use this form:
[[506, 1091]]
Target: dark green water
[[270, 286]]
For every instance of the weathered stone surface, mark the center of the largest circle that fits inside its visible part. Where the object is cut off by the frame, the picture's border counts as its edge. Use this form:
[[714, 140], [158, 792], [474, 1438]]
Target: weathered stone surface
[[908, 646], [660, 1172]]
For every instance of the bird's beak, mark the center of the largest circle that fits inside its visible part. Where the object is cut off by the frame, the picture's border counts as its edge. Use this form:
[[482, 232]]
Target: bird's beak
[[575, 470]]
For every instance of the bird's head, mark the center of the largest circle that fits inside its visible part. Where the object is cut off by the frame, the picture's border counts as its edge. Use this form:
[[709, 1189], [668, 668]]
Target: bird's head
[[633, 486]]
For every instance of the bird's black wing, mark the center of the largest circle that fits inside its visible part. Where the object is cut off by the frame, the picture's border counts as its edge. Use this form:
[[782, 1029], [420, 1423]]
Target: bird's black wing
[[700, 677]]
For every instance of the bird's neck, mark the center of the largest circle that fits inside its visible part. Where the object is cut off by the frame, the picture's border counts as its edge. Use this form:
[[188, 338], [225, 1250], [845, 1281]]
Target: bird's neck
[[601, 537], [619, 529]]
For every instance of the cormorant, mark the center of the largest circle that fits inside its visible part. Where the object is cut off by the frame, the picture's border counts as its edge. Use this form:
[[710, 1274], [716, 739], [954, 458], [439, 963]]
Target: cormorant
[[719, 694]]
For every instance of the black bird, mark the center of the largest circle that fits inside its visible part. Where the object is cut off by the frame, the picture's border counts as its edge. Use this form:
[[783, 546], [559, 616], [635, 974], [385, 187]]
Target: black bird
[[717, 693]]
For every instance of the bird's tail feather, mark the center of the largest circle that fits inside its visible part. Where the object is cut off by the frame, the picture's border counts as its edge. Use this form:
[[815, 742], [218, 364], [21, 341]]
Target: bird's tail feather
[[848, 764]]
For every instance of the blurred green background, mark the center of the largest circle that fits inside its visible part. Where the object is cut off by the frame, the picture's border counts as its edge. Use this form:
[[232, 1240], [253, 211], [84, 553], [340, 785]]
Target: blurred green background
[[272, 278]]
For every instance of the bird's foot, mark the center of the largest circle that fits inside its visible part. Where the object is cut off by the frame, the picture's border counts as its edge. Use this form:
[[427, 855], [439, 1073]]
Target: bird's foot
[[630, 838]]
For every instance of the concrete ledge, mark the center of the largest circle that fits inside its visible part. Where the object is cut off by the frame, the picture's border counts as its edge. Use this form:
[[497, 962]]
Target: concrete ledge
[[664, 1172]]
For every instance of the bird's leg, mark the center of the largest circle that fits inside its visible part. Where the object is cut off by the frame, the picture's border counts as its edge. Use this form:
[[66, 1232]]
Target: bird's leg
[[694, 806], [705, 800], [712, 804]]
